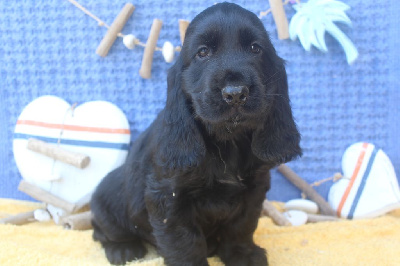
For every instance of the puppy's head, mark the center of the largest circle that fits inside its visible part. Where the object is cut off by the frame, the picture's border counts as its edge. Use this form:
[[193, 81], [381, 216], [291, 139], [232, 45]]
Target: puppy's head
[[234, 83]]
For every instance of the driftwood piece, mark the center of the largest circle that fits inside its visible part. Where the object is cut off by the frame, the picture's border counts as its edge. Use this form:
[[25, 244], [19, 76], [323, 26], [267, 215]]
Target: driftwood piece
[[183, 25], [315, 218], [19, 219], [274, 214], [278, 12], [115, 29], [147, 61], [44, 196], [79, 221], [313, 195], [76, 159]]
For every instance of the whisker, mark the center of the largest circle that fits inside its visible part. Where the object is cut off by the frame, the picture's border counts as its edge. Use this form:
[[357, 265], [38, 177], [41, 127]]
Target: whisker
[[271, 95], [280, 95], [273, 75], [273, 81]]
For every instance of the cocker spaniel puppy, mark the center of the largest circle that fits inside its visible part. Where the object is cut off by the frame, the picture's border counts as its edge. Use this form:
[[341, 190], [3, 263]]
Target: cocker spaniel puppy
[[194, 181]]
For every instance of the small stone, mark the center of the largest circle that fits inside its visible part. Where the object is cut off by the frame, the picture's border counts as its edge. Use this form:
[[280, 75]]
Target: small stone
[[165, 221]]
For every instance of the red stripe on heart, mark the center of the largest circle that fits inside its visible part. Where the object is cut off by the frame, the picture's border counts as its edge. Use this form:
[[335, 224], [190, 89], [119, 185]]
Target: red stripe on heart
[[353, 178], [74, 127]]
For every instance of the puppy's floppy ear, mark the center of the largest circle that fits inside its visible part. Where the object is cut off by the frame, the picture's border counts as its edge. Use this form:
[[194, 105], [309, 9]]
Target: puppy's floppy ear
[[276, 141], [180, 143]]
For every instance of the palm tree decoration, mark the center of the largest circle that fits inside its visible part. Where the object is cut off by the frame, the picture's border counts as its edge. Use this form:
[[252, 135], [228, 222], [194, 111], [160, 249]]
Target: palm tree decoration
[[316, 17]]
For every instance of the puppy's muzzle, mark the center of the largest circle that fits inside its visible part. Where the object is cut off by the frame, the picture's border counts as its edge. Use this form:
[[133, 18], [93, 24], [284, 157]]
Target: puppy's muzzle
[[235, 95]]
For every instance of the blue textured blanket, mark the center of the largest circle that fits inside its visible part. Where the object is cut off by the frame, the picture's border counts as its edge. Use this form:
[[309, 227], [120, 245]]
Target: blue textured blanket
[[48, 47]]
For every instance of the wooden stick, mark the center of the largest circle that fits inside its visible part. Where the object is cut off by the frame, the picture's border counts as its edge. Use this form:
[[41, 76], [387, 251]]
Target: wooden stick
[[76, 159], [183, 25], [274, 214], [278, 12], [115, 29], [147, 61], [315, 218], [313, 195], [19, 219], [44, 196], [80, 221]]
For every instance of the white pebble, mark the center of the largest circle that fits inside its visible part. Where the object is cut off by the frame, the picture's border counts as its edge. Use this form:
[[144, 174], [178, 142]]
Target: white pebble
[[41, 215], [307, 206], [168, 51], [295, 217], [56, 213], [129, 41]]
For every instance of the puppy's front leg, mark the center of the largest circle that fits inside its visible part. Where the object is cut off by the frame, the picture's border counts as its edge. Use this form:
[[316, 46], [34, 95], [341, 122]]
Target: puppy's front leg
[[237, 247], [179, 239], [180, 243]]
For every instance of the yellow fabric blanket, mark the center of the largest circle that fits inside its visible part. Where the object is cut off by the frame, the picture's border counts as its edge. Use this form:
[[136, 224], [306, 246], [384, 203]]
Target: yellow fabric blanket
[[363, 242]]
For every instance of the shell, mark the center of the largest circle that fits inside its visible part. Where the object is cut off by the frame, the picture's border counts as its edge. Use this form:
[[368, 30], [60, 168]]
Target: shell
[[296, 218], [168, 51], [307, 206], [129, 41], [41, 215]]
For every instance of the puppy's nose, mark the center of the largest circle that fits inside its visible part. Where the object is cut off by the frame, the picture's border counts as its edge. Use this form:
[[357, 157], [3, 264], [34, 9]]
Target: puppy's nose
[[235, 95]]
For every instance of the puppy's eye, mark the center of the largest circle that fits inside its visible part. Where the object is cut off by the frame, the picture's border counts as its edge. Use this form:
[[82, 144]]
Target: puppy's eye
[[203, 52], [255, 48]]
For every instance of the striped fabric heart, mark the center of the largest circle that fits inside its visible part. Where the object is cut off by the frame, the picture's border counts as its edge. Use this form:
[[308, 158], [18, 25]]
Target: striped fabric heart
[[97, 129], [369, 187]]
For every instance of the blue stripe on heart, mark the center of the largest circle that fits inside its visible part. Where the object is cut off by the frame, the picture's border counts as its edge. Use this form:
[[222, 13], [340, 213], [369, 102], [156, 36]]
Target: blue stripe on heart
[[362, 184], [93, 144]]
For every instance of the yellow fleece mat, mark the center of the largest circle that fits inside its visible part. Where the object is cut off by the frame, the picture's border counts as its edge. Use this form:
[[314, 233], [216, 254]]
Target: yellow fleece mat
[[362, 242]]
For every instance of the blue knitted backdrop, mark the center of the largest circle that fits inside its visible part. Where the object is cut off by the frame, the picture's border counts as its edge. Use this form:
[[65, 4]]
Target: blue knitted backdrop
[[48, 47]]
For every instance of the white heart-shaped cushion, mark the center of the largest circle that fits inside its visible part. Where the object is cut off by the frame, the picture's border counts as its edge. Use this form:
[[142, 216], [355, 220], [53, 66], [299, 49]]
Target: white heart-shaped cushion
[[98, 129], [369, 187]]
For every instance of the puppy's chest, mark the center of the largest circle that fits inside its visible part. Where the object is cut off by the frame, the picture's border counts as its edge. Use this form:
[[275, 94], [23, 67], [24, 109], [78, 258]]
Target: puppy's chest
[[225, 164], [223, 183]]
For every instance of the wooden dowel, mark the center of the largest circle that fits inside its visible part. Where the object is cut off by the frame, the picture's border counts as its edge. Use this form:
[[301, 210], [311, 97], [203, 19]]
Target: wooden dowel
[[278, 12], [115, 28], [315, 218], [183, 25], [44, 196], [274, 214], [19, 219], [313, 195], [79, 221], [76, 159], [147, 61]]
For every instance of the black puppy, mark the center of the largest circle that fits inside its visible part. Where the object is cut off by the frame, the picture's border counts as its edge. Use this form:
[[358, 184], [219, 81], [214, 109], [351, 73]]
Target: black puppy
[[194, 181]]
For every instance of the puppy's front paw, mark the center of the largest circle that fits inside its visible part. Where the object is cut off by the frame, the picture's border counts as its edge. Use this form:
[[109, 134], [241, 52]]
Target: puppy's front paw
[[121, 253], [254, 256]]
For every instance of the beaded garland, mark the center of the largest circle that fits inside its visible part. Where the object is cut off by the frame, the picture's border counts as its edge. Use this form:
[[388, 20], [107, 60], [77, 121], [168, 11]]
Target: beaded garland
[[315, 15]]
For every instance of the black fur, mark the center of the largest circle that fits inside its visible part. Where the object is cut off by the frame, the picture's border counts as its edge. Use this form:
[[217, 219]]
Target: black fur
[[194, 181]]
